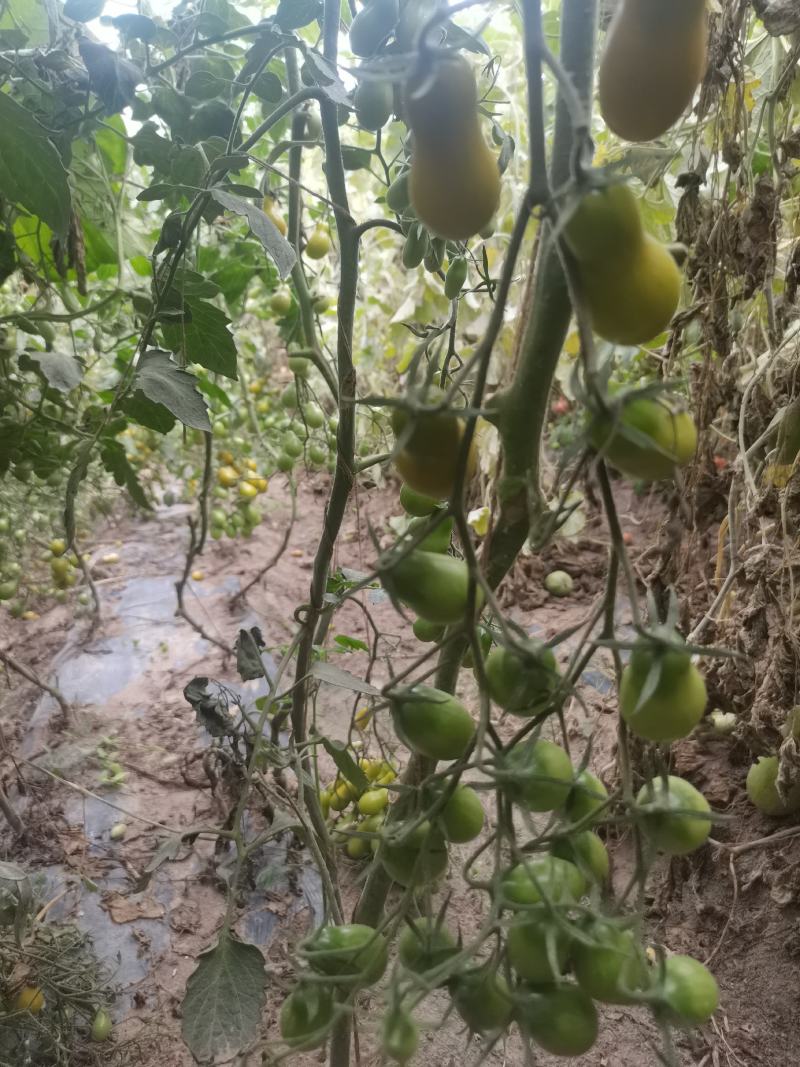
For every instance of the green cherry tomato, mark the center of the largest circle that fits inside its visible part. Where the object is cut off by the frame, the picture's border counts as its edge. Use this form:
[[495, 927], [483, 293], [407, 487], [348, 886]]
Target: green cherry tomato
[[351, 951], [425, 944], [562, 1019], [689, 991], [306, 1016], [675, 815]]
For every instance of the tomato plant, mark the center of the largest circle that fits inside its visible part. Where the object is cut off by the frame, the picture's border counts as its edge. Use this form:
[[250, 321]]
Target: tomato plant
[[245, 265]]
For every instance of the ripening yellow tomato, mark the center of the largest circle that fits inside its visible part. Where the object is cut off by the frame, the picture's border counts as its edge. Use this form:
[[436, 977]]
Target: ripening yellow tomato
[[654, 59], [454, 181]]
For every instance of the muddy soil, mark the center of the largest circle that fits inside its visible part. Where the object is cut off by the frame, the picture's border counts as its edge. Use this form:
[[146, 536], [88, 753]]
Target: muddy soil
[[125, 681]]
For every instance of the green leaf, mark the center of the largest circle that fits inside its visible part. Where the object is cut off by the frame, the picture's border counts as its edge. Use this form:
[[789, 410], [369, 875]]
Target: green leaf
[[111, 77], [150, 149], [27, 22], [205, 340], [325, 76], [205, 85], [355, 158], [293, 14], [274, 243], [59, 370], [31, 171], [83, 10], [350, 644], [345, 763], [189, 283], [112, 455], [138, 27], [165, 384], [224, 999]]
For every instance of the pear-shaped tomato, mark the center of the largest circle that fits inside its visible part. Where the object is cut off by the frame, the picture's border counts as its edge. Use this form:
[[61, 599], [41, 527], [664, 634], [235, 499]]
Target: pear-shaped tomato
[[455, 180], [675, 815], [429, 452], [433, 585], [645, 438], [673, 707], [522, 681], [653, 60], [762, 789], [415, 503], [432, 722], [629, 281]]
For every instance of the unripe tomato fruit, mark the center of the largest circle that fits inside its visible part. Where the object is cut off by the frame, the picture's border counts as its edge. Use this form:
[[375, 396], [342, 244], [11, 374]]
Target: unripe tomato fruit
[[102, 1025], [29, 998], [433, 585], [676, 818], [612, 969], [400, 1036], [227, 476], [416, 503], [689, 990], [462, 816], [357, 848], [522, 682], [527, 947], [664, 439], [761, 789], [588, 796], [428, 631], [420, 860], [428, 457], [454, 181], [586, 850], [270, 209], [425, 944], [319, 243], [563, 1020], [352, 951], [653, 60], [432, 723], [373, 801], [483, 1000], [281, 301], [676, 705], [306, 1016], [542, 877], [540, 775]]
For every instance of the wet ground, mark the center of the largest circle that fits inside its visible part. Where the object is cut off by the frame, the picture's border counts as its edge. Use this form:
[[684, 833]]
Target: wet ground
[[125, 683]]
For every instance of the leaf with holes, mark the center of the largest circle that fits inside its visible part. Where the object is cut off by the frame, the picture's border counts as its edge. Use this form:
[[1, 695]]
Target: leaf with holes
[[224, 999]]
